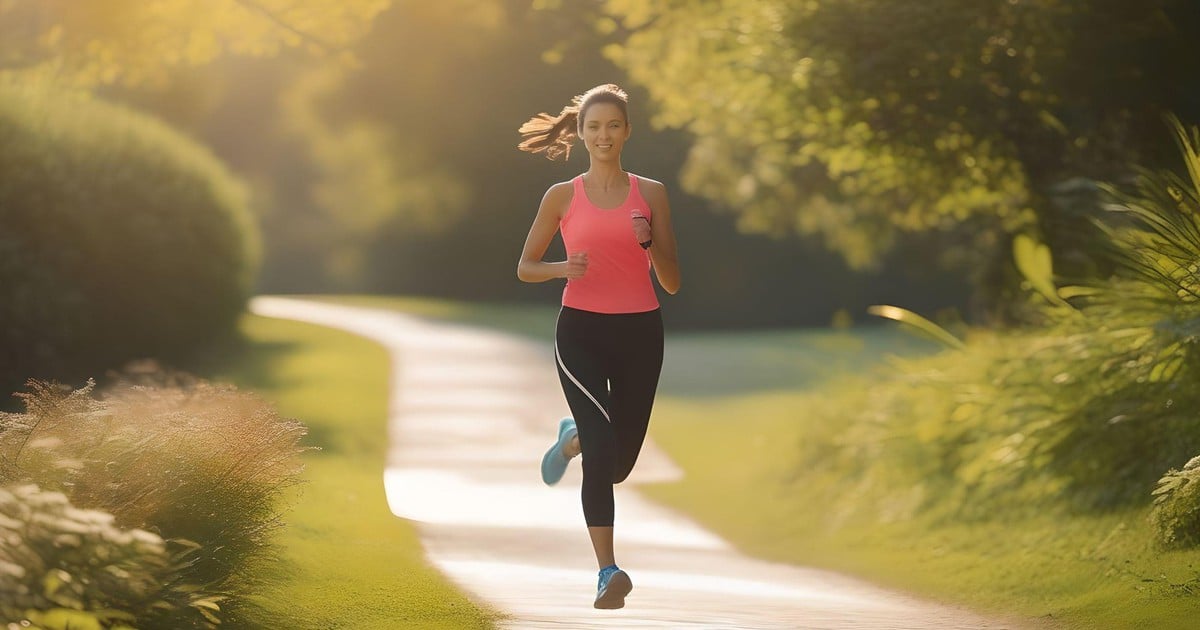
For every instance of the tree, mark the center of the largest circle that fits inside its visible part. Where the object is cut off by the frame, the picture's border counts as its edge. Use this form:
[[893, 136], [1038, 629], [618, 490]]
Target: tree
[[401, 174], [94, 43], [865, 120]]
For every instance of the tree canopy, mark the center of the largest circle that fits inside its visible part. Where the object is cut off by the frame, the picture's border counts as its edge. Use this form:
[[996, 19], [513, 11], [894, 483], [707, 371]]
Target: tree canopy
[[93, 43], [399, 173], [863, 120]]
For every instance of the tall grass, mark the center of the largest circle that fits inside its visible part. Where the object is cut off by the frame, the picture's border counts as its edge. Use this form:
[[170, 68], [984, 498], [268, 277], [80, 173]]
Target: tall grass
[[201, 464]]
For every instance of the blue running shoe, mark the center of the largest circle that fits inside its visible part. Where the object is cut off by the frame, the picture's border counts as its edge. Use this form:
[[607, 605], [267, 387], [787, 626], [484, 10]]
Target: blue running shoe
[[612, 588], [554, 462]]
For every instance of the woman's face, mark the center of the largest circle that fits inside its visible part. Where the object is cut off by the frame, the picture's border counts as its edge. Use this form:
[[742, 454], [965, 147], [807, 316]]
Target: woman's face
[[605, 131]]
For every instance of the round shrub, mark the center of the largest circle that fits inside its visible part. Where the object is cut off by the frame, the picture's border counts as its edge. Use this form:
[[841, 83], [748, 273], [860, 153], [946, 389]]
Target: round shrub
[[119, 238]]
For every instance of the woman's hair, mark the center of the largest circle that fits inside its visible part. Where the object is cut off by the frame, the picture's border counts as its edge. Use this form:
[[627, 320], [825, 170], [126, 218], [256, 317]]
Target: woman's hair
[[554, 135]]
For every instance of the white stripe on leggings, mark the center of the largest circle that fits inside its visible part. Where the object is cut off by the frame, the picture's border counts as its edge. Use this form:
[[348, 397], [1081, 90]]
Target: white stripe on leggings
[[571, 376]]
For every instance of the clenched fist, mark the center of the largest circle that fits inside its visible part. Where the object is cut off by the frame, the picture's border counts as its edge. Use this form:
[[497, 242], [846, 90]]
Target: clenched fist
[[641, 228], [577, 265]]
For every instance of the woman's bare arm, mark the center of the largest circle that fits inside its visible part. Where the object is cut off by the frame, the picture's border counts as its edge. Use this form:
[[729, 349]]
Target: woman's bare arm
[[663, 252], [531, 267]]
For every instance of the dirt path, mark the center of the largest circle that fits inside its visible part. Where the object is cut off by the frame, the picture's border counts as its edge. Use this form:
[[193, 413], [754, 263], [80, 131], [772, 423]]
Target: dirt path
[[470, 415]]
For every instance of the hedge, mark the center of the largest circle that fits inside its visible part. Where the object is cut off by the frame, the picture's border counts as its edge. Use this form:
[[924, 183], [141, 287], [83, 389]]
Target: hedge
[[119, 238]]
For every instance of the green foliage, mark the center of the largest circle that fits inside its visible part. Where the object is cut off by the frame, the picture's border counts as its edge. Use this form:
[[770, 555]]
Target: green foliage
[[132, 41], [121, 238], [1014, 474], [1176, 514], [368, 177], [918, 324], [1036, 265], [864, 120], [1162, 258], [364, 182], [1083, 413], [187, 460], [1044, 568], [344, 561], [64, 568]]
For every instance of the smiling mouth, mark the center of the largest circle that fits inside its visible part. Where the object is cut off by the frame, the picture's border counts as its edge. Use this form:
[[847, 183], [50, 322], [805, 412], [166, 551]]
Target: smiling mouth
[[603, 146]]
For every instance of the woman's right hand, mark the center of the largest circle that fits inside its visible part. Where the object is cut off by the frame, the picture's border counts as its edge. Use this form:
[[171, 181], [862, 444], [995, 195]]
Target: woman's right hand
[[577, 265]]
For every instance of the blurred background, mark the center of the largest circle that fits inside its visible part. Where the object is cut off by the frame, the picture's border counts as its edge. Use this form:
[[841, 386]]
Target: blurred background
[[822, 156], [1008, 169]]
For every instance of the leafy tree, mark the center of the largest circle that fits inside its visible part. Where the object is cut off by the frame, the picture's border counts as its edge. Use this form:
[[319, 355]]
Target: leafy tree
[[413, 151], [865, 120], [126, 47], [400, 174], [133, 41], [365, 176]]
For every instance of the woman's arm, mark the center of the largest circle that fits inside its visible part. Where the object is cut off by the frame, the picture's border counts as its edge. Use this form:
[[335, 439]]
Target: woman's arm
[[663, 251], [531, 267]]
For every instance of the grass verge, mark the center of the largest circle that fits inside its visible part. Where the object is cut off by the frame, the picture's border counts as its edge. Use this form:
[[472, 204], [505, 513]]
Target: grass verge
[[743, 480], [345, 560]]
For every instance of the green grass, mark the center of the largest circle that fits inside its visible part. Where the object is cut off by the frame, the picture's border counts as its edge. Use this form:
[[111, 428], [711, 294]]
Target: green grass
[[719, 365], [732, 413], [743, 480], [697, 364], [346, 561]]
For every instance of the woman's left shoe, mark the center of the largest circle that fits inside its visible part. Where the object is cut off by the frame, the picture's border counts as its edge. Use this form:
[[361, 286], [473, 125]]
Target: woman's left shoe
[[612, 588], [554, 462]]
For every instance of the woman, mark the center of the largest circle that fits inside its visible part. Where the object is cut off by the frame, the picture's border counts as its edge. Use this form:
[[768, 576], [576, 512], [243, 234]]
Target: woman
[[609, 338]]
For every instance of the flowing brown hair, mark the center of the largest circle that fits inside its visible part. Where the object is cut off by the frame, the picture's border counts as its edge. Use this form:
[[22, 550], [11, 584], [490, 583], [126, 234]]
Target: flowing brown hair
[[554, 135]]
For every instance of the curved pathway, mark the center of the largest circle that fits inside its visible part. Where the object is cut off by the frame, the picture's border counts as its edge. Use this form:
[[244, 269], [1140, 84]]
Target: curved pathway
[[471, 413]]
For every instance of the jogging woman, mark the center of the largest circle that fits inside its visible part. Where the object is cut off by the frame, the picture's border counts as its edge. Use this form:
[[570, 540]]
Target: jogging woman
[[608, 344]]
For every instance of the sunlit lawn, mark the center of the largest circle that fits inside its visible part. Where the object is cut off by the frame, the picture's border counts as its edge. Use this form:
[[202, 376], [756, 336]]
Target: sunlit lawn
[[347, 562], [1085, 571], [742, 479]]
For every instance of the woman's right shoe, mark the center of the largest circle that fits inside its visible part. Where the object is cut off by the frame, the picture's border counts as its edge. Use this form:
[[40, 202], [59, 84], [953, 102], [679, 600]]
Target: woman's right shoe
[[613, 586], [554, 462]]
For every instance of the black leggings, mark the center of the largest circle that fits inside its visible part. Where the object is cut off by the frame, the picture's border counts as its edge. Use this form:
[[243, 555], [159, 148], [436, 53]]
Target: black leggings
[[609, 367]]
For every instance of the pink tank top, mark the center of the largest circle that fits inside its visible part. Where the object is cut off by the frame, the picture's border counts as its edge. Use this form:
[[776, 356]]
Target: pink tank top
[[618, 274]]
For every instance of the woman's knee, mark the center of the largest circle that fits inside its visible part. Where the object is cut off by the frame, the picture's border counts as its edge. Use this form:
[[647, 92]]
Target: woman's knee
[[621, 472], [600, 469]]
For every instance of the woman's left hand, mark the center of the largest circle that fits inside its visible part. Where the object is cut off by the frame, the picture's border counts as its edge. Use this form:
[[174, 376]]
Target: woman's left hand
[[641, 228]]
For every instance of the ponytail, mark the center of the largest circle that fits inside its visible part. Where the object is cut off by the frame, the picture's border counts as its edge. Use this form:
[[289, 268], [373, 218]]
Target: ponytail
[[554, 135]]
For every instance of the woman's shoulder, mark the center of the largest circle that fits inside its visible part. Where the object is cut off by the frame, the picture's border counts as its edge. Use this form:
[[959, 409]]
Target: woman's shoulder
[[644, 181], [561, 190], [650, 187]]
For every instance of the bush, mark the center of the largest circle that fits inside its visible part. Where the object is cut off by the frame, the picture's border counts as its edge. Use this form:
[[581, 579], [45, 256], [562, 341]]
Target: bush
[[62, 567], [187, 460], [120, 239], [1176, 513], [1083, 412]]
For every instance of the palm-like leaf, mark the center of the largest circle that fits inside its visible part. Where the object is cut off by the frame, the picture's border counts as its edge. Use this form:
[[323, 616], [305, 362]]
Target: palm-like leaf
[[1164, 252]]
